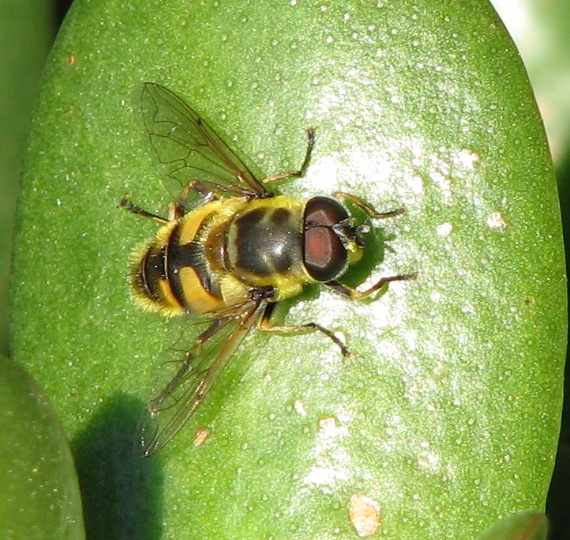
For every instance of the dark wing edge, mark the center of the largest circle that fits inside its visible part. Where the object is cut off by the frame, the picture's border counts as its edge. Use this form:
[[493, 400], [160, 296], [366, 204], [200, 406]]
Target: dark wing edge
[[174, 406], [189, 150]]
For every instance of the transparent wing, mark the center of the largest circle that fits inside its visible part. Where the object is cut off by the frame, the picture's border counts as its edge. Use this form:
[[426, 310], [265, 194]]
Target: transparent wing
[[172, 408], [188, 151]]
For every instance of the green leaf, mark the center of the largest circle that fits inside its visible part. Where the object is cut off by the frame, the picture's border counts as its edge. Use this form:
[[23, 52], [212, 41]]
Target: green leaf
[[26, 29], [40, 494], [541, 34], [448, 417], [521, 526]]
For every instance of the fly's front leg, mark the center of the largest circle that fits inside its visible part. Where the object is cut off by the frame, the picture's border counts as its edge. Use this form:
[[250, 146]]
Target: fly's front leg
[[367, 208], [359, 295], [267, 326], [304, 166]]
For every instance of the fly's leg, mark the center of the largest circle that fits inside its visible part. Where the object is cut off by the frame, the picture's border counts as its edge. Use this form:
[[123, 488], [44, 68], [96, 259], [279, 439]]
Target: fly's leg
[[359, 295], [267, 326], [311, 139], [373, 214], [206, 190], [177, 209], [367, 208], [126, 203]]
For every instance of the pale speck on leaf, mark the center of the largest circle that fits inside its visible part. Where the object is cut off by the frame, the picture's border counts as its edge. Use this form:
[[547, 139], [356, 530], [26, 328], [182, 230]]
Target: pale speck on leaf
[[364, 515], [200, 436], [444, 229], [300, 408], [496, 221]]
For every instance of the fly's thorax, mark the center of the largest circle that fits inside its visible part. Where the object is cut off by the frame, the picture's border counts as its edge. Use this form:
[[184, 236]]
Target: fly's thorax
[[265, 245]]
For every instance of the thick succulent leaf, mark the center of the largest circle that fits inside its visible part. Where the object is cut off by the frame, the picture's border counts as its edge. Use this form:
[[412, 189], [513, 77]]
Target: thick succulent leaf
[[40, 493], [520, 526], [541, 35], [447, 419], [26, 29]]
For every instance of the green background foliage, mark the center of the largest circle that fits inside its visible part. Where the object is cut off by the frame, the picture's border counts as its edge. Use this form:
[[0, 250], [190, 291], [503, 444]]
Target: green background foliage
[[520, 526], [26, 28], [449, 415], [40, 494]]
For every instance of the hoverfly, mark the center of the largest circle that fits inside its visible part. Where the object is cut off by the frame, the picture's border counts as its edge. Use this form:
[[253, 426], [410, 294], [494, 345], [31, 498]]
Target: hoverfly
[[229, 250]]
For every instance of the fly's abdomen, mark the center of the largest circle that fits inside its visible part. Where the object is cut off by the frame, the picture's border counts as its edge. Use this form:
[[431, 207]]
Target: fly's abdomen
[[173, 275], [193, 284]]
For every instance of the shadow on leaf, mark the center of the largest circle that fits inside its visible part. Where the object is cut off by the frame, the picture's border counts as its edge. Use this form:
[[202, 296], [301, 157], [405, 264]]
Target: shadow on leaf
[[121, 490]]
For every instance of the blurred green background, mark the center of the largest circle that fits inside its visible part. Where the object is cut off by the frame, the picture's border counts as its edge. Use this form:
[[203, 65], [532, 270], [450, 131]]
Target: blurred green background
[[540, 28]]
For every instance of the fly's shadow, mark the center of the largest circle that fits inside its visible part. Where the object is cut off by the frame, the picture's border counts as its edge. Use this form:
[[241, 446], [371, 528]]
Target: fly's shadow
[[121, 491]]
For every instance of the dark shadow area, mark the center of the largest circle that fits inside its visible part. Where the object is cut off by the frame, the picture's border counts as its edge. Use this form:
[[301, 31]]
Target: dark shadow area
[[121, 490], [61, 7], [558, 501]]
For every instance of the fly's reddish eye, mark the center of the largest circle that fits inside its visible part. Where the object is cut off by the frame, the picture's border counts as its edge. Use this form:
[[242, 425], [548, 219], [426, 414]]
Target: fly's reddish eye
[[324, 254], [324, 212]]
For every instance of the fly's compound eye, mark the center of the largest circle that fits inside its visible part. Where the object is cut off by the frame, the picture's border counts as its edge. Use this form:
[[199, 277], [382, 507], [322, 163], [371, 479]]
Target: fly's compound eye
[[324, 254]]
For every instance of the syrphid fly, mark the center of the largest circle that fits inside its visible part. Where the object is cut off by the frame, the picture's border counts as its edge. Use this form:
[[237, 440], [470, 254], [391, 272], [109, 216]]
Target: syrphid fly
[[230, 249]]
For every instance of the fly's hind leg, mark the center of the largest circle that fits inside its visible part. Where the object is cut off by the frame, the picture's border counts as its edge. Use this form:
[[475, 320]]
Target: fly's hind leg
[[126, 203], [206, 190], [175, 210], [267, 326]]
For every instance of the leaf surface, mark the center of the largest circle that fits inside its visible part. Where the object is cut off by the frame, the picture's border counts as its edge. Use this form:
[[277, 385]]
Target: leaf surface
[[448, 417]]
